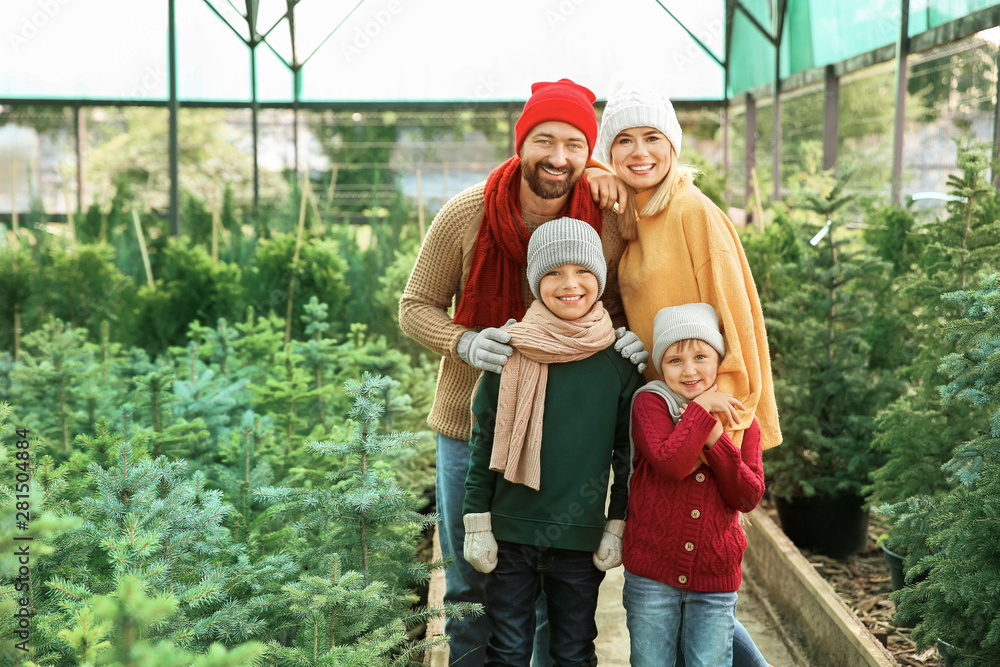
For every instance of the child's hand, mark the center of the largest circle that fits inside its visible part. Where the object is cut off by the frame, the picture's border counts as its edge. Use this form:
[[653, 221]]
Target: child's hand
[[714, 401]]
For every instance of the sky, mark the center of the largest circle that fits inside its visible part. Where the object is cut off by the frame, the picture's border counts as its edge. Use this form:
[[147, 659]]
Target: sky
[[379, 50]]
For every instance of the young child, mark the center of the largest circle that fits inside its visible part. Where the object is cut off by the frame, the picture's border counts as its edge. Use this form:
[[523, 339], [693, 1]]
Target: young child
[[684, 544], [548, 432]]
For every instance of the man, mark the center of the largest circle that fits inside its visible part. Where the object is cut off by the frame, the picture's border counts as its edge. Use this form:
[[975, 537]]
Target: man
[[475, 254]]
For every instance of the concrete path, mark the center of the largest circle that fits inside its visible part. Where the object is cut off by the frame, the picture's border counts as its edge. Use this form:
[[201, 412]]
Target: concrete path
[[612, 637]]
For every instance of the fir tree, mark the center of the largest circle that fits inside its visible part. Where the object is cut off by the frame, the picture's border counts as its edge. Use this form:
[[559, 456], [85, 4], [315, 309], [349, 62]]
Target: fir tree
[[246, 473], [57, 364], [317, 351], [42, 530], [208, 397], [958, 600], [259, 342], [285, 396], [917, 433], [361, 520], [114, 628], [216, 344], [828, 392]]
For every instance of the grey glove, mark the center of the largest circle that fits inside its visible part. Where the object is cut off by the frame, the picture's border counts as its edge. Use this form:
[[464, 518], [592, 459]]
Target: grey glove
[[631, 348], [488, 349]]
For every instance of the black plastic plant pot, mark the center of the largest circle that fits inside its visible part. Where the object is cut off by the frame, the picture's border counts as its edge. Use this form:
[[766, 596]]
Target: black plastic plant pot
[[835, 526], [949, 653], [896, 572]]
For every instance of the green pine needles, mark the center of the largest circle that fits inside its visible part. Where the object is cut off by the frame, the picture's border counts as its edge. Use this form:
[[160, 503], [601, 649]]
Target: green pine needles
[[358, 533], [959, 600]]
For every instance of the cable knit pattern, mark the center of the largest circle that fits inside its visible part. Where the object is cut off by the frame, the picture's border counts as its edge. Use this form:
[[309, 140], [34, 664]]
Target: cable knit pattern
[[438, 279], [691, 253], [683, 527]]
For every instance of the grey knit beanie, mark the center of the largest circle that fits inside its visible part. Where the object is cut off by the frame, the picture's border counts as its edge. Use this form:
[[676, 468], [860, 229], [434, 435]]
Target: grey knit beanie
[[636, 107], [692, 320], [565, 241]]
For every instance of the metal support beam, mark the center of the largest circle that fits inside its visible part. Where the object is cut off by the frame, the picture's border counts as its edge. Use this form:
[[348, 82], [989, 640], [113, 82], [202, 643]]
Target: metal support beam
[[297, 81], [253, 122], [174, 107], [899, 123], [701, 44], [996, 126], [831, 118], [725, 153], [753, 19], [80, 130], [779, 23], [750, 148]]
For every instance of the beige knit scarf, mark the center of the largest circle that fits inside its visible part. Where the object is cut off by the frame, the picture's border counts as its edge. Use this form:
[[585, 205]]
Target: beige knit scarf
[[539, 339]]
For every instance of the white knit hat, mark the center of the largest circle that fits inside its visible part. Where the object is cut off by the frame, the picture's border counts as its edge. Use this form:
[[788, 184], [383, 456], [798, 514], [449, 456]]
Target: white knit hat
[[565, 241], [636, 107], [692, 320]]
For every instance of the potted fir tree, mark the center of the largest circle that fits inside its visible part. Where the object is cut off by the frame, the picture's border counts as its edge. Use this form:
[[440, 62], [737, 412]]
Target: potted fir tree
[[916, 433], [828, 391], [958, 601]]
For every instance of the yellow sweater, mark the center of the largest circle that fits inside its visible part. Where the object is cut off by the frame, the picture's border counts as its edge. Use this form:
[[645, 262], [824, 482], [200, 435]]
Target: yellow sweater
[[691, 253]]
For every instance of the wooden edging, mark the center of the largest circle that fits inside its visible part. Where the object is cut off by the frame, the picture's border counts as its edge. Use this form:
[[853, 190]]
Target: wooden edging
[[809, 609], [438, 655]]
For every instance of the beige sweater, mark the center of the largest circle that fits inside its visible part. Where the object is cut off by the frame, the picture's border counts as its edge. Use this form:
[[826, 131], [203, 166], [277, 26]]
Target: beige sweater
[[435, 285]]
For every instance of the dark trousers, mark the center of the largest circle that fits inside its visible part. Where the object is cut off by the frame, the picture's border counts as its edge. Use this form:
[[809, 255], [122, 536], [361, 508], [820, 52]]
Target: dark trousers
[[570, 582]]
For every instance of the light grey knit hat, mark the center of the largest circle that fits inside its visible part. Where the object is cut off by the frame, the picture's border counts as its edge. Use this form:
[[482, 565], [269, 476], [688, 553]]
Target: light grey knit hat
[[565, 241], [692, 320], [636, 107]]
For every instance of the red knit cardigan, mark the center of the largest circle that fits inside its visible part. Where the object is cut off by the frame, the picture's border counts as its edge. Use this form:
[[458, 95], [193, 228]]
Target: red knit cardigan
[[683, 527]]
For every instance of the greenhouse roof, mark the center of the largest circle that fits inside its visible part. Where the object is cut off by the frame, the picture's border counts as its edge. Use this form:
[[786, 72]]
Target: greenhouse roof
[[395, 52]]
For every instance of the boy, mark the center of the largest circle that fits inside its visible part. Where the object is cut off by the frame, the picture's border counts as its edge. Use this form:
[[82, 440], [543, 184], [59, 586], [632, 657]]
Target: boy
[[548, 431], [684, 544]]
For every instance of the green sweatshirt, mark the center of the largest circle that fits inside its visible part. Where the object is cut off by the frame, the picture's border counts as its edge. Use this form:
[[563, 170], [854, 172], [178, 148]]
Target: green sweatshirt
[[584, 437]]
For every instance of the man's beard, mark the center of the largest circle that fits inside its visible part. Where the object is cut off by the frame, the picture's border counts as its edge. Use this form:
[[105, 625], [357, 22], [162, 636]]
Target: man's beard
[[547, 189]]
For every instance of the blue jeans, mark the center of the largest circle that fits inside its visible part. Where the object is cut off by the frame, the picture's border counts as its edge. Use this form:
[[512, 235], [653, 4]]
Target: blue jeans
[[571, 582], [660, 617], [462, 582]]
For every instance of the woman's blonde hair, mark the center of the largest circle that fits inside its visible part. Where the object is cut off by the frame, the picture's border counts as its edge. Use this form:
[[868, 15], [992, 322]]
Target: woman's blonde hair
[[677, 176]]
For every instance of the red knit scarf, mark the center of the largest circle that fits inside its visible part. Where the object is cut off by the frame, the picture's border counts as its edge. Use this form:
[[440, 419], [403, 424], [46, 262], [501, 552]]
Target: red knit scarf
[[492, 293]]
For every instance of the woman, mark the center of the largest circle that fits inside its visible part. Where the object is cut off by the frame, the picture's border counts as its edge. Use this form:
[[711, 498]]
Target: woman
[[683, 249]]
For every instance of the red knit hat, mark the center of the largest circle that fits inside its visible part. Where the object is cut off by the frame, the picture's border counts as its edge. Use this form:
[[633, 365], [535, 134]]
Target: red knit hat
[[561, 100]]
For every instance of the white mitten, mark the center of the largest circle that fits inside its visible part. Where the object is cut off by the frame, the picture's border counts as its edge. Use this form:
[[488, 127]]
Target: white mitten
[[480, 547], [609, 554]]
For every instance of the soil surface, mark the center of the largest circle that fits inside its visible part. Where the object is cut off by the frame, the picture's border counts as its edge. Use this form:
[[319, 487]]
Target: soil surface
[[862, 581]]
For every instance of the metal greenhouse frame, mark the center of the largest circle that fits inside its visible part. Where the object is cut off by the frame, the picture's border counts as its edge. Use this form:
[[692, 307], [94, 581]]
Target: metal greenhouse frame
[[769, 48]]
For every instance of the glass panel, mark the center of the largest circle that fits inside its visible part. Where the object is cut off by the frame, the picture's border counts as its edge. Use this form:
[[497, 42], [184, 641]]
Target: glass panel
[[269, 12], [380, 55], [68, 50], [280, 39], [230, 15], [705, 20], [274, 79], [316, 19], [212, 62]]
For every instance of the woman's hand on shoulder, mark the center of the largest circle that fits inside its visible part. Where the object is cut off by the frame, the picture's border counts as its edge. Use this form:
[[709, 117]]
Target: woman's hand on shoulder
[[607, 189]]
